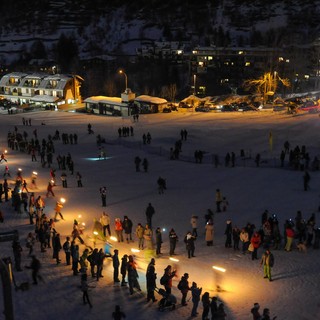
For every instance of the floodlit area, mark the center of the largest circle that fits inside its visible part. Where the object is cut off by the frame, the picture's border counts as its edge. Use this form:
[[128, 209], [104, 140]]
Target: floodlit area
[[236, 280]]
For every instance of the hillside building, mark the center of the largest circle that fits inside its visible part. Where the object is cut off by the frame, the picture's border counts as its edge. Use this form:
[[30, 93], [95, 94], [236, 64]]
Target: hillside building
[[41, 88]]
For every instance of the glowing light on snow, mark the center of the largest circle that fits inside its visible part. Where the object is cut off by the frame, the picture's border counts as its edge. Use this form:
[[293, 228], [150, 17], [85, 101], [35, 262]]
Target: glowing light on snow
[[174, 259], [98, 159], [219, 268], [113, 239], [95, 233], [135, 250]]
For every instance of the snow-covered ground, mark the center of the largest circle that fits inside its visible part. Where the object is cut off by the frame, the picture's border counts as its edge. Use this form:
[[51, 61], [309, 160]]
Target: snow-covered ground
[[191, 191]]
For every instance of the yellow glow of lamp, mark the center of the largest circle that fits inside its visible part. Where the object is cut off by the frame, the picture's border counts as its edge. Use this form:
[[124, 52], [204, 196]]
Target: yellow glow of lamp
[[219, 269], [35, 173], [79, 216], [62, 200], [5, 151], [95, 233], [125, 76], [174, 259]]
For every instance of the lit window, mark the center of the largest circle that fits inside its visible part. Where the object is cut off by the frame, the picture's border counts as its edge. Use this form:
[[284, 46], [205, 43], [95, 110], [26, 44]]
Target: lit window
[[247, 64], [287, 60], [281, 59], [201, 64], [210, 58], [240, 52]]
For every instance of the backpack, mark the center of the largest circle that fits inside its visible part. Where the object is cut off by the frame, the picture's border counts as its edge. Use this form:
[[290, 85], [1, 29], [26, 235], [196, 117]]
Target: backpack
[[89, 258], [180, 285], [65, 246], [163, 280]]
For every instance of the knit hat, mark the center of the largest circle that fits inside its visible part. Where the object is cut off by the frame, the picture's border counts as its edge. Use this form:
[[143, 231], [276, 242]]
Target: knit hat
[[256, 305]]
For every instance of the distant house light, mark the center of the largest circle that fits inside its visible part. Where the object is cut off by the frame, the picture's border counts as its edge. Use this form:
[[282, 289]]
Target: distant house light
[[179, 51], [280, 59], [210, 57], [247, 64], [306, 76], [240, 52], [201, 64], [194, 52], [287, 60]]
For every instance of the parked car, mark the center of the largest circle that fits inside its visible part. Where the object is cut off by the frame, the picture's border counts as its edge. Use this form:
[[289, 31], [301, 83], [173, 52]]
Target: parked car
[[166, 110], [229, 108], [310, 106], [185, 105], [244, 106], [202, 109]]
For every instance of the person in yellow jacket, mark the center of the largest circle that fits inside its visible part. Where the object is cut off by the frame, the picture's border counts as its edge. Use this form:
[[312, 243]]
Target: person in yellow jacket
[[57, 209], [267, 261]]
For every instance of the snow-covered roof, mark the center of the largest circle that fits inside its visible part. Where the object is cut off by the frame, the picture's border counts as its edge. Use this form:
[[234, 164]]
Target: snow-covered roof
[[155, 100], [103, 99]]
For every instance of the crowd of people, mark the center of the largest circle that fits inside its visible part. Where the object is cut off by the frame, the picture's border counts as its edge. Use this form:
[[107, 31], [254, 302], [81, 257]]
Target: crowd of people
[[268, 236]]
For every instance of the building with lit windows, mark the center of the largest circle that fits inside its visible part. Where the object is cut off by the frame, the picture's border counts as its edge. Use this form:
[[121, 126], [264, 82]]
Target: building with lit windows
[[41, 88]]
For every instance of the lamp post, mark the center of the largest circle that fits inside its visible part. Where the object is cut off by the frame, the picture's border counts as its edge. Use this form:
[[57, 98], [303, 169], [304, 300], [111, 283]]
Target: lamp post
[[125, 76], [194, 84]]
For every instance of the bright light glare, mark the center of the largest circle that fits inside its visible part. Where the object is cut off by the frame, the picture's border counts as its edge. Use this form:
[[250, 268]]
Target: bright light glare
[[79, 216], [95, 233], [135, 250], [83, 223], [34, 172], [174, 259], [62, 200], [113, 238], [219, 269]]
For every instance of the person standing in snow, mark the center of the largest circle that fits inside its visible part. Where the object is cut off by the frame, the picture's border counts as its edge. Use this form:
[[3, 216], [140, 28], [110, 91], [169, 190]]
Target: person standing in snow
[[67, 250], [194, 225], [255, 242], [173, 239], [209, 233], [85, 289], [118, 314], [127, 227], [267, 261], [116, 265], [158, 241], [105, 222], [118, 229], [189, 240], [228, 234], [133, 275], [149, 214], [255, 311], [196, 293], [218, 200], [184, 288], [123, 269], [151, 277], [103, 194], [139, 234]]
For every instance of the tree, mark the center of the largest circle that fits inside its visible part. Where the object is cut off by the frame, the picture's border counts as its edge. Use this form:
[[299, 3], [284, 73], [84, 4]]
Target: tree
[[267, 84]]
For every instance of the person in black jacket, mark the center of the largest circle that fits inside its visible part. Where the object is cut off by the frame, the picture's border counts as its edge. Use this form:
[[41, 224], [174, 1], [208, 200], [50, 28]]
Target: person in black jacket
[[116, 264], [151, 277], [189, 240], [183, 286], [158, 241], [173, 239], [123, 269], [127, 227]]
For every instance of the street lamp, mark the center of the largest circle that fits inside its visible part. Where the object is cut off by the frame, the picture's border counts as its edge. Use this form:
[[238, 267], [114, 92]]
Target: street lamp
[[194, 84], [125, 76]]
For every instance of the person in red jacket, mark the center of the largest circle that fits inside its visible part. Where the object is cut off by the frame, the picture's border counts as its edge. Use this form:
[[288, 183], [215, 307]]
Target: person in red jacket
[[255, 241], [290, 236], [118, 229]]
